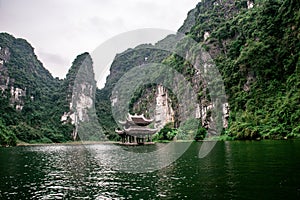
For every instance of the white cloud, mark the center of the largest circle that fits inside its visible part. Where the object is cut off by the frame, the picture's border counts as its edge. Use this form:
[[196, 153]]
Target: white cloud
[[59, 30]]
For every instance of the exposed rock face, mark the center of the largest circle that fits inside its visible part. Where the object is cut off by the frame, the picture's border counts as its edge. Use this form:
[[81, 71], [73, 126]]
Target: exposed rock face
[[206, 35], [222, 41], [203, 76], [225, 115], [82, 87], [250, 79], [17, 97], [155, 103], [4, 55], [163, 110], [4, 78], [114, 100], [250, 4], [82, 101]]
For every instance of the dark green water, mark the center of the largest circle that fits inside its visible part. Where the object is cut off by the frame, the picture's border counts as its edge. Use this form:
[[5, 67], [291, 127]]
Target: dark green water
[[232, 170]]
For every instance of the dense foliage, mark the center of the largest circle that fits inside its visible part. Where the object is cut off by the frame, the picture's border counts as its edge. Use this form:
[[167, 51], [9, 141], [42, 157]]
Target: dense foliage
[[122, 63], [168, 132], [257, 51], [43, 102], [259, 61]]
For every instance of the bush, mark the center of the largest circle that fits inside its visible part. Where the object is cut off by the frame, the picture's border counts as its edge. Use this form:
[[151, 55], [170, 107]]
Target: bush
[[7, 137], [166, 133], [26, 133], [201, 133]]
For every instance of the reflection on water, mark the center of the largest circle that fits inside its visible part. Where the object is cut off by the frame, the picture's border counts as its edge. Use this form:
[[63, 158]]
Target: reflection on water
[[233, 170], [138, 159]]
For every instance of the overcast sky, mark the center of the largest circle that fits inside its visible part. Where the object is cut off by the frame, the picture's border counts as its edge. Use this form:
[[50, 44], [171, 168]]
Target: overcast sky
[[59, 30]]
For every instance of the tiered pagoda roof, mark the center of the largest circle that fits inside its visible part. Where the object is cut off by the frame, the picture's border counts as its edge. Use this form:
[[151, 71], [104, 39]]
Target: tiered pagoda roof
[[139, 120], [136, 126]]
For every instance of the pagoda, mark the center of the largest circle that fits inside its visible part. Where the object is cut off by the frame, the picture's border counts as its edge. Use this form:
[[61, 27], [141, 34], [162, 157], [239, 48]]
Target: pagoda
[[135, 130]]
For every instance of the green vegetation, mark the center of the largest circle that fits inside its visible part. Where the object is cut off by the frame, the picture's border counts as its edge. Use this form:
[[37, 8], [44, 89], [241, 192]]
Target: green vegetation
[[43, 103], [256, 50], [122, 63], [201, 133], [262, 53], [167, 133], [7, 137]]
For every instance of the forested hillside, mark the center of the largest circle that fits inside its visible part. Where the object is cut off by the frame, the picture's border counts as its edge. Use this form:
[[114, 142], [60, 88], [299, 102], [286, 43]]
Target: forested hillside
[[259, 51], [254, 44], [32, 101]]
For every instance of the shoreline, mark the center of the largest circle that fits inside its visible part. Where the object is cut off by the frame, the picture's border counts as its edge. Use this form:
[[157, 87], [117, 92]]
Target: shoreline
[[119, 143], [67, 143]]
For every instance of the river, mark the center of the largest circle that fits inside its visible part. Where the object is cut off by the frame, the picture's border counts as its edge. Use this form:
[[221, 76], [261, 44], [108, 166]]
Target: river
[[232, 170]]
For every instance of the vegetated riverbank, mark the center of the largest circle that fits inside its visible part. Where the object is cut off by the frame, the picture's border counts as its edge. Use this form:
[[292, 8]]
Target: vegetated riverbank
[[214, 138], [21, 143]]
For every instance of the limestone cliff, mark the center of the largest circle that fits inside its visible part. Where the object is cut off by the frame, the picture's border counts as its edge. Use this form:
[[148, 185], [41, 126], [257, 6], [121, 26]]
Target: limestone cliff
[[249, 43], [81, 92], [164, 112], [17, 95], [155, 102], [31, 102], [253, 44], [4, 58]]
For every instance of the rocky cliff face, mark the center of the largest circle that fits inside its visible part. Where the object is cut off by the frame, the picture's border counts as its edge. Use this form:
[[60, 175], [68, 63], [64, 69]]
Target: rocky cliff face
[[4, 58], [123, 63], [154, 101], [247, 40], [17, 98], [4, 78], [81, 92], [254, 45], [30, 97], [17, 95], [164, 112], [49, 109]]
